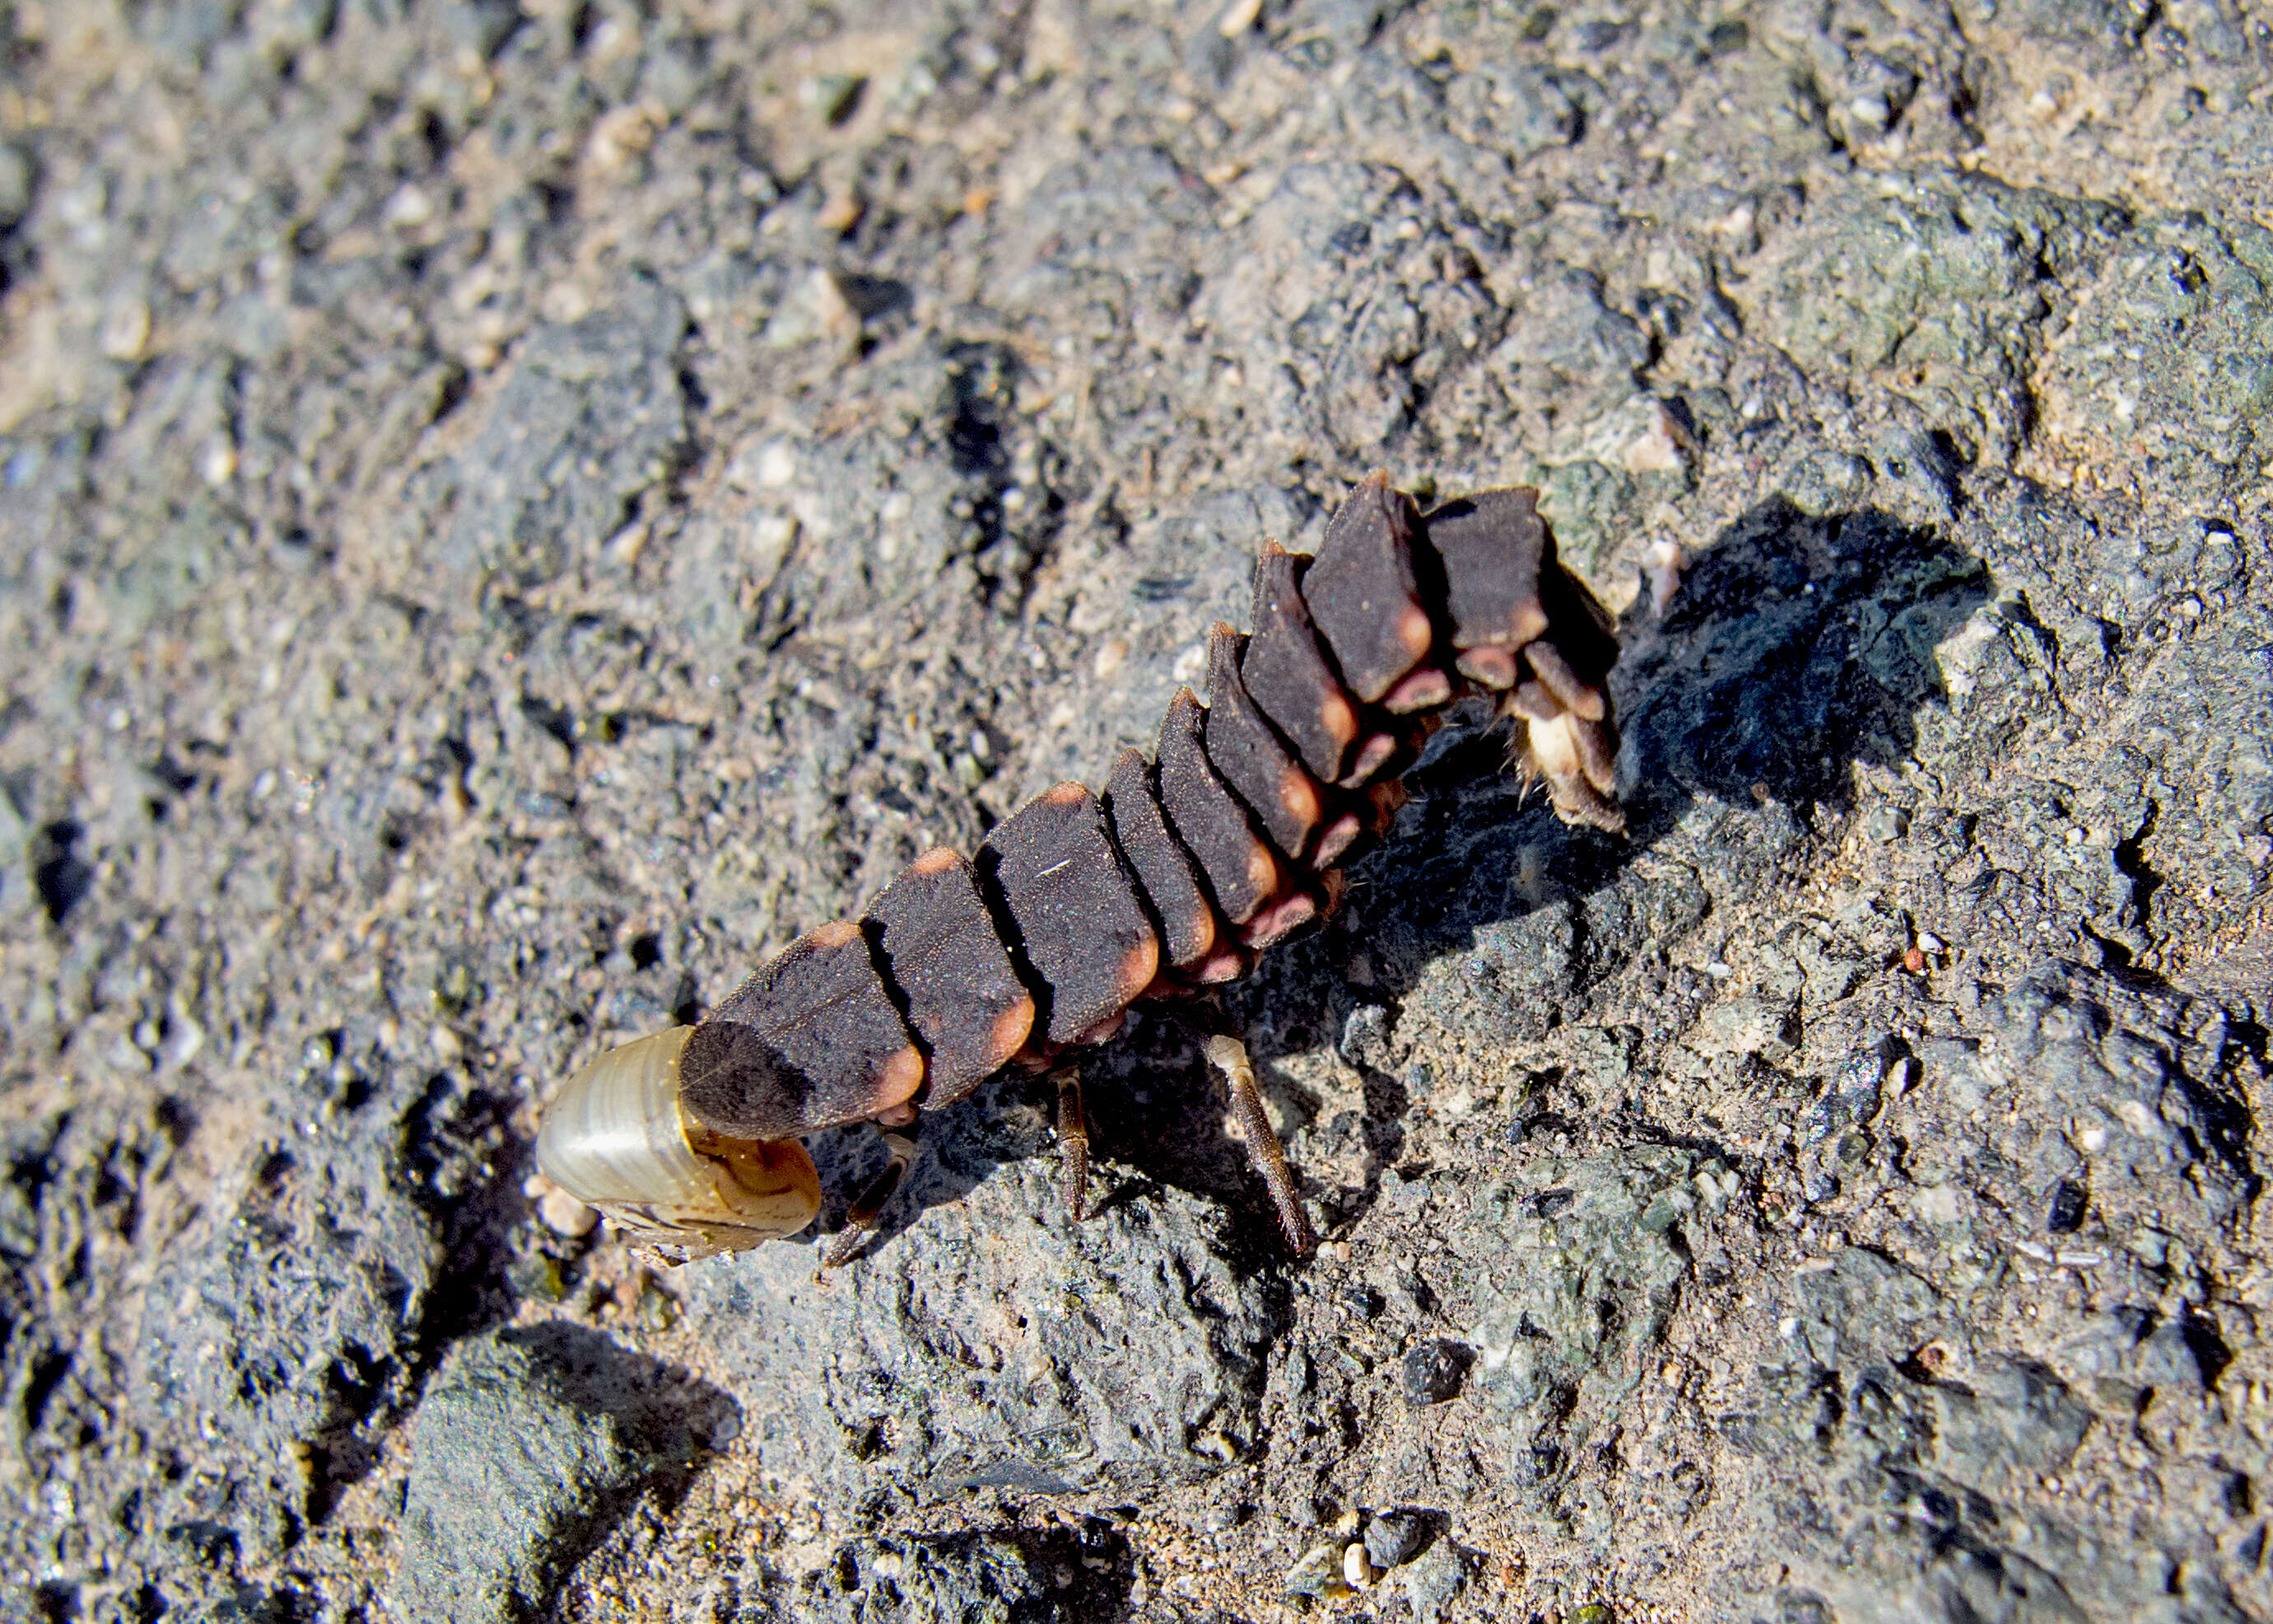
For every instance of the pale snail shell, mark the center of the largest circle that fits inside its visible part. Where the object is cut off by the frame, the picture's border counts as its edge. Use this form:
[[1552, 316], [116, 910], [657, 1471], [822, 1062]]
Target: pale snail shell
[[615, 1139]]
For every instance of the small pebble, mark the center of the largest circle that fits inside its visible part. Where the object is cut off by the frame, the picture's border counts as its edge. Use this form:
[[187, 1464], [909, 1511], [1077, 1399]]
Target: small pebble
[[125, 332], [834, 96], [1392, 1539], [1318, 1573], [777, 465], [1238, 17], [1365, 1035], [1357, 1567], [1887, 823], [564, 1215], [536, 1278], [1435, 1372]]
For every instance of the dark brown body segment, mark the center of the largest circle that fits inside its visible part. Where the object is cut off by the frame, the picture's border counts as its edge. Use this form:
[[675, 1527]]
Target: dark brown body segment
[[1492, 546], [961, 993], [1286, 800], [1287, 673], [1163, 869], [1073, 923], [1239, 868], [1361, 592], [810, 1041]]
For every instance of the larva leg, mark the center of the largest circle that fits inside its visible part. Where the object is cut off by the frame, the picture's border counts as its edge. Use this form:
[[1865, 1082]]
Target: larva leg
[[1072, 1145], [861, 1218], [1229, 1056]]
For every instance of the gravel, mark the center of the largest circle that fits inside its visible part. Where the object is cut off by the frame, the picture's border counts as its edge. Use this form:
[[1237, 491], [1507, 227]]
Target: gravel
[[512, 514]]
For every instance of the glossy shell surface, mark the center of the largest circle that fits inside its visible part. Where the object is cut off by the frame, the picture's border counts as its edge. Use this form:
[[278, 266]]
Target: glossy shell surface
[[616, 1138]]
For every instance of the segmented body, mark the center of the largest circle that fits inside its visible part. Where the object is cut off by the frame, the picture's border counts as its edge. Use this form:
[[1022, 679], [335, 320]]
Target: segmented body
[[1232, 835]]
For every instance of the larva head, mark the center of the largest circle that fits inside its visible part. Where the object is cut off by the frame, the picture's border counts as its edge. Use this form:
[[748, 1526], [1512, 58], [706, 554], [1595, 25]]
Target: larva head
[[616, 1138]]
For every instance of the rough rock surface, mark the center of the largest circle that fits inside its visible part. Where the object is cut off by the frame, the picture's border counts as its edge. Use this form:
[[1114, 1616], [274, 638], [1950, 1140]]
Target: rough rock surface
[[509, 512], [528, 1443]]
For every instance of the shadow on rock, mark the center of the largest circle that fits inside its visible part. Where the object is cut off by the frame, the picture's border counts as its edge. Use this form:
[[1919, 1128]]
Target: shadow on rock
[[530, 1444], [1797, 648], [958, 1149]]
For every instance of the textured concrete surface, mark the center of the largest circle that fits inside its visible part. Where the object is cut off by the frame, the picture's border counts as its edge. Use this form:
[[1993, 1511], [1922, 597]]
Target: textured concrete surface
[[510, 513]]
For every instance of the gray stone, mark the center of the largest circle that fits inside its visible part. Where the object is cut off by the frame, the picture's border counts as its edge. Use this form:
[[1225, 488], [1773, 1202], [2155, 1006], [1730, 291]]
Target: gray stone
[[292, 1319], [1433, 1580], [1928, 292], [528, 1443], [2021, 1416], [1365, 1036], [2182, 317], [1828, 482], [1581, 1269], [2166, 1359], [1744, 1026], [1394, 1538]]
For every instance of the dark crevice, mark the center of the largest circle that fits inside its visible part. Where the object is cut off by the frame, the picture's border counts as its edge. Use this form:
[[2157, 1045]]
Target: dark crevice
[[47, 1375], [555, 719], [61, 877], [2131, 861]]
